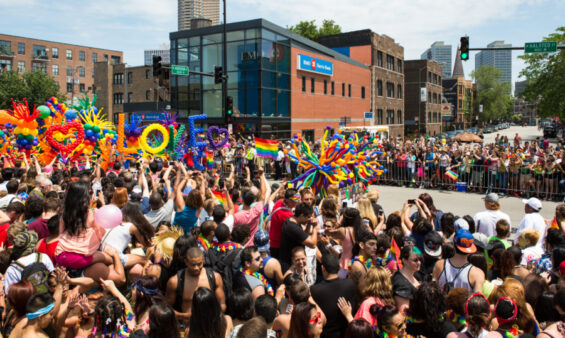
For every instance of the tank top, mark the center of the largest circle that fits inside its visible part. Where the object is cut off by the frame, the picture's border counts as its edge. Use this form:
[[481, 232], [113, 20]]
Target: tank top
[[48, 248], [450, 272], [271, 281], [347, 246]]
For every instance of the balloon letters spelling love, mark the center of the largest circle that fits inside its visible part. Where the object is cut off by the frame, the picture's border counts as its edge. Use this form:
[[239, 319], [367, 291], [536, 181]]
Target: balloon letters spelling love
[[64, 129], [193, 131], [143, 139], [217, 131]]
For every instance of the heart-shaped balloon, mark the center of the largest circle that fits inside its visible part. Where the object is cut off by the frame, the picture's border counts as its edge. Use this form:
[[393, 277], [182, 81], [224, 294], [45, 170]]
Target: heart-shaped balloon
[[218, 131], [64, 129]]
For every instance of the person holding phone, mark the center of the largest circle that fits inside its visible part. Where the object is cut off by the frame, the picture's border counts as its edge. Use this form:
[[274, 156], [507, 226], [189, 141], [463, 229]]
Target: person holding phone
[[299, 230]]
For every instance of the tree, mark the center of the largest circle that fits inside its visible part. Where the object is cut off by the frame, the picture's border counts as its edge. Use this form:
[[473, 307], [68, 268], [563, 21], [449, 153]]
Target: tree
[[308, 29], [36, 87], [493, 94], [545, 78]]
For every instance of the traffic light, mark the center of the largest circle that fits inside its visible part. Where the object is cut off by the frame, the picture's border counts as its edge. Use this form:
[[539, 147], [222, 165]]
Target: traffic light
[[229, 110], [465, 48], [157, 68], [218, 73]]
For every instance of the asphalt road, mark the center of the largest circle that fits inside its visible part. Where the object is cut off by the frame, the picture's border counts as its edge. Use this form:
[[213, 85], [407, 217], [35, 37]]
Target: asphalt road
[[527, 134]]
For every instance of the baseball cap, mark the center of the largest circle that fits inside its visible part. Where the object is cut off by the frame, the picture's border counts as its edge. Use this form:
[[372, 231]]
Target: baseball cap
[[481, 240], [464, 241], [491, 198], [25, 242], [408, 240], [432, 243], [261, 240], [533, 202], [461, 223]]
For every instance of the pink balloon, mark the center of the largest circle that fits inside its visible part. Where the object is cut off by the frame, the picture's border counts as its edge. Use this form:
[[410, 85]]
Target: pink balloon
[[109, 216]]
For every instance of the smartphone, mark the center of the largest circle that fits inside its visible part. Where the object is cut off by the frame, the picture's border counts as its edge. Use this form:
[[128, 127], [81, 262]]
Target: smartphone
[[171, 162], [316, 210], [411, 201]]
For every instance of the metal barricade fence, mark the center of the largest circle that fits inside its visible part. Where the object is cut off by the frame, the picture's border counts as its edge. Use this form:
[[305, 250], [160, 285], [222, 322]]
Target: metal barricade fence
[[475, 178]]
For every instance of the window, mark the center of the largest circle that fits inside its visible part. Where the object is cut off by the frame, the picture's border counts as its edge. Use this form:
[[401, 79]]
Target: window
[[115, 60], [312, 83], [333, 88], [130, 95], [325, 87], [118, 98], [399, 91], [460, 90], [379, 116], [435, 78], [130, 77], [147, 74], [429, 97], [55, 53], [399, 66], [39, 52], [460, 104], [69, 71], [118, 78], [390, 89], [399, 117], [21, 48], [81, 71], [389, 62], [55, 69], [390, 116], [94, 57], [379, 59], [429, 76], [380, 88], [105, 59], [69, 87], [69, 54], [93, 73], [81, 87], [349, 90], [5, 47], [304, 84], [429, 117], [439, 79], [362, 92], [148, 95], [81, 55], [343, 89], [21, 66]]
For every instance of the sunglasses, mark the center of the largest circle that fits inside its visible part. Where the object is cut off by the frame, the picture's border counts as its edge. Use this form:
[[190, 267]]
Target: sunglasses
[[258, 259], [417, 260], [316, 319]]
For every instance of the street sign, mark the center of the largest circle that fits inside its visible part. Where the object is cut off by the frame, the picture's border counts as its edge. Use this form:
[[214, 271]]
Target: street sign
[[368, 115], [541, 47], [179, 70]]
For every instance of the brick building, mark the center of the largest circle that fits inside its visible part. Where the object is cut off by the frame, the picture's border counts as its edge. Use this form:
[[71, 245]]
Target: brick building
[[281, 83], [122, 89], [72, 66], [423, 97], [385, 58]]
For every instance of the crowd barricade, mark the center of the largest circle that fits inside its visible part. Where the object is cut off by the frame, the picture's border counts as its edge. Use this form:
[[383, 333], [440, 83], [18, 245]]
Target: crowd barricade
[[475, 178]]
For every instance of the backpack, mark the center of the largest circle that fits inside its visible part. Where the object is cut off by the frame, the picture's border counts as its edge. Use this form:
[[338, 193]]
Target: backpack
[[36, 273], [180, 286], [227, 267], [450, 284]]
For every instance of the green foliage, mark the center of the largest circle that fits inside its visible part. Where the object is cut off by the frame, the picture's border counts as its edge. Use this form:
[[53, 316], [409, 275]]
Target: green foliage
[[517, 118], [493, 94], [308, 29], [545, 78], [36, 87]]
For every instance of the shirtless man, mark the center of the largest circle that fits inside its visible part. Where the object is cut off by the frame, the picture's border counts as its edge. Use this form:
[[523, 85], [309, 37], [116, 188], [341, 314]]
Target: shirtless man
[[40, 314], [193, 277], [360, 264]]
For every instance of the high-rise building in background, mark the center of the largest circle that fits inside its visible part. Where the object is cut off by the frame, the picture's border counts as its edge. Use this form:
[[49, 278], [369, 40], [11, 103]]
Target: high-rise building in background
[[501, 59], [196, 9], [441, 53], [165, 55]]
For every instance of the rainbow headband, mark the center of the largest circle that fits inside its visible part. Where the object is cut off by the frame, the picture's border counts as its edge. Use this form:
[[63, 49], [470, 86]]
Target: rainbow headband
[[40, 312], [294, 198]]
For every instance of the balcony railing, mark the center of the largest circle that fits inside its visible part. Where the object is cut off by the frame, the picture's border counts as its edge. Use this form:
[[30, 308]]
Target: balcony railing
[[40, 57], [6, 53]]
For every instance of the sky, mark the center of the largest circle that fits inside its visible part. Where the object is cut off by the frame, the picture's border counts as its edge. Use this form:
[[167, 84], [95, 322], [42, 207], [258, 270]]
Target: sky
[[132, 26]]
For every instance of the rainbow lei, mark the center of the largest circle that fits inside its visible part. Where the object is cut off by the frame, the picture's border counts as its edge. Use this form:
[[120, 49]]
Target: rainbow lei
[[452, 316], [260, 277], [513, 332], [367, 262], [203, 242], [225, 247]]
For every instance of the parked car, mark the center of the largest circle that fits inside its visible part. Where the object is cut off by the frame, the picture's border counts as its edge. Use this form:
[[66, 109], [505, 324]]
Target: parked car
[[488, 129], [549, 131]]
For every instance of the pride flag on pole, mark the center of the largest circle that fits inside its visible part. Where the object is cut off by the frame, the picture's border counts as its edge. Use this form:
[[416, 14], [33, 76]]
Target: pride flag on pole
[[209, 160], [451, 174], [267, 148], [221, 197]]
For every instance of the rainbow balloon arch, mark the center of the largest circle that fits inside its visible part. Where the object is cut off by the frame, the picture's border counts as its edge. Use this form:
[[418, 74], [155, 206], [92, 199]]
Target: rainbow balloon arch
[[55, 130], [342, 161]]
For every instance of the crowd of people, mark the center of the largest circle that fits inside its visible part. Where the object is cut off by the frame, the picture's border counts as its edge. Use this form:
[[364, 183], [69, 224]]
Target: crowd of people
[[269, 260]]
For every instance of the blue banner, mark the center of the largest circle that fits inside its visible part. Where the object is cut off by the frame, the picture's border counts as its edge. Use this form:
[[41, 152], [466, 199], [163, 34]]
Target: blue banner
[[150, 116], [314, 65]]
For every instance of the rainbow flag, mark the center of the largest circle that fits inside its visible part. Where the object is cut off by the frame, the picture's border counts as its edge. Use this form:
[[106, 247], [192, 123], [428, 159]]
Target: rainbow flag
[[394, 253], [221, 197], [209, 160], [267, 148], [451, 174]]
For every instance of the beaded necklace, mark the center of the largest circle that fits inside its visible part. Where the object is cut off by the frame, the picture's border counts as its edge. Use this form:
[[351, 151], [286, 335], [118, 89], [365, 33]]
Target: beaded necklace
[[513, 332], [225, 247], [367, 262], [454, 318], [203, 242], [260, 277]]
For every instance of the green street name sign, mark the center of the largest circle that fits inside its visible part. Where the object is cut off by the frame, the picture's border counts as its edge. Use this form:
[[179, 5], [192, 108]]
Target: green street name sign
[[541, 47], [179, 70]]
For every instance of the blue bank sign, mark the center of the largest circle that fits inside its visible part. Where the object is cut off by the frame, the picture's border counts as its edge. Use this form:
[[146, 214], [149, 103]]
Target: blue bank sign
[[314, 65]]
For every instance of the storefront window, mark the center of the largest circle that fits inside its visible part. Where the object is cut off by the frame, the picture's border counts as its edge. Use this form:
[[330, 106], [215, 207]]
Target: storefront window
[[267, 52], [268, 104], [235, 36], [283, 103], [252, 102], [212, 100], [268, 79]]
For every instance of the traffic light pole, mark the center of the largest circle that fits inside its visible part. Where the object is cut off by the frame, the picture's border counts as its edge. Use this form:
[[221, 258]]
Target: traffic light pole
[[224, 65]]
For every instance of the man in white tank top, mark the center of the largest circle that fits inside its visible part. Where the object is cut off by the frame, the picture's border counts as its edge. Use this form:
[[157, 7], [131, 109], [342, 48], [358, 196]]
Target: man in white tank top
[[457, 270]]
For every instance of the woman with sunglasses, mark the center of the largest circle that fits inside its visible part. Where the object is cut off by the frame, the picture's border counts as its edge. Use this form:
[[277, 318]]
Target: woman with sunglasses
[[307, 320], [477, 316], [391, 322], [406, 280]]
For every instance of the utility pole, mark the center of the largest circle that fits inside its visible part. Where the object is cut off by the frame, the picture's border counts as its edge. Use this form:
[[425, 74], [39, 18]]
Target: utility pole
[[224, 66]]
